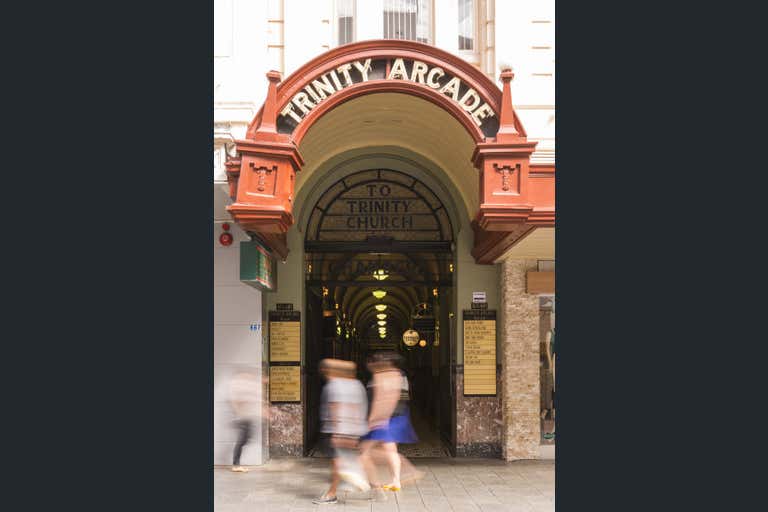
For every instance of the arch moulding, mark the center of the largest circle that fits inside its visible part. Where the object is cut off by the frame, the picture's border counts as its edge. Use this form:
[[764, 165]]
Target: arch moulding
[[514, 198]]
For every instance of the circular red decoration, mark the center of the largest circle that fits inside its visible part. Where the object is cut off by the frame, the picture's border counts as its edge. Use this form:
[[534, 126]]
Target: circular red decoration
[[225, 226], [225, 239]]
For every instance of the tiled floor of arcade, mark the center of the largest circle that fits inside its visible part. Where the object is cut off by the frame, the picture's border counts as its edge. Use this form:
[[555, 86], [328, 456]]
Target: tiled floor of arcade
[[449, 485]]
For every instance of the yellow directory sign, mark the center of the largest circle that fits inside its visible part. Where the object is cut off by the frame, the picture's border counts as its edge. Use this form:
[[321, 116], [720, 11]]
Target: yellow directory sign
[[284, 337], [285, 383], [479, 352]]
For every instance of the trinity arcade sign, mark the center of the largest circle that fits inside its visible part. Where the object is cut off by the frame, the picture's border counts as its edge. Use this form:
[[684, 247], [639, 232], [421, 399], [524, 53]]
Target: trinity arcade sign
[[435, 77]]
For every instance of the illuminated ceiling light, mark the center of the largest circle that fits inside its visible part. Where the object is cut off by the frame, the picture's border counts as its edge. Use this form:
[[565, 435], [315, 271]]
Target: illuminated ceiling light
[[381, 316], [434, 292], [380, 274], [325, 291], [381, 307], [382, 322], [379, 294], [382, 336], [422, 343], [450, 267]]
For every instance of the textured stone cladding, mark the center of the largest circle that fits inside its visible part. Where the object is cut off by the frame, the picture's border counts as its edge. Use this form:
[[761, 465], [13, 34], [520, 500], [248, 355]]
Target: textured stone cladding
[[521, 430], [286, 430], [478, 421]]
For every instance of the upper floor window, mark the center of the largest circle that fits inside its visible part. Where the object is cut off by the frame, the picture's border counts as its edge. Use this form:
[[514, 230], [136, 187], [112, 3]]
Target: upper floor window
[[345, 21], [408, 19], [466, 25]]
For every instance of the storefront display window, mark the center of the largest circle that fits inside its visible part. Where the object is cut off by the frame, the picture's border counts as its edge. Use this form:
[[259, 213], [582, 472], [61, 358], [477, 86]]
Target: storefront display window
[[548, 365]]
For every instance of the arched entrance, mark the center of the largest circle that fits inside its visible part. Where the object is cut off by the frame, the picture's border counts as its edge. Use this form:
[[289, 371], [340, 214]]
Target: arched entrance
[[512, 199], [394, 156], [379, 261]]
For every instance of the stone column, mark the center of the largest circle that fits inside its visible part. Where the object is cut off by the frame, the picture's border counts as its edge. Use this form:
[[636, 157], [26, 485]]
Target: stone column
[[521, 434]]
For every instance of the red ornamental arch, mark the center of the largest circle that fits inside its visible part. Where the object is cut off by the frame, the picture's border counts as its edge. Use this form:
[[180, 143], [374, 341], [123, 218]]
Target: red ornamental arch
[[262, 176]]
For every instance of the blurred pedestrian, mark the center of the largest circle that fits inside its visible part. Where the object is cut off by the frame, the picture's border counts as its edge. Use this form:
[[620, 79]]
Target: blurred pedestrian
[[343, 406], [244, 398], [389, 418]]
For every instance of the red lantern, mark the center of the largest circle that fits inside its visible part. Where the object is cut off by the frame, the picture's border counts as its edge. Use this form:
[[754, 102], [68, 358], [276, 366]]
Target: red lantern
[[225, 226], [225, 239]]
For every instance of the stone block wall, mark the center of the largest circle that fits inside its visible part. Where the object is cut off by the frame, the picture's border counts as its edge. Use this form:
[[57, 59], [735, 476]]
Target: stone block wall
[[286, 430], [478, 421], [520, 385]]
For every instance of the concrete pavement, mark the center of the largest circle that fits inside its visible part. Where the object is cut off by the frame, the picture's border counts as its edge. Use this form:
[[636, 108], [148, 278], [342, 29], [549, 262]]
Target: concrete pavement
[[449, 485]]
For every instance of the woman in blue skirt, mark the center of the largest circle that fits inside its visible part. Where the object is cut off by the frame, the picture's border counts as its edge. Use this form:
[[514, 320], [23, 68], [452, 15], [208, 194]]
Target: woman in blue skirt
[[389, 420]]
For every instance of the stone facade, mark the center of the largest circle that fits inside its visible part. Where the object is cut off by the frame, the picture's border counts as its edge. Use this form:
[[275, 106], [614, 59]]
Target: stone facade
[[286, 436], [521, 430], [478, 421]]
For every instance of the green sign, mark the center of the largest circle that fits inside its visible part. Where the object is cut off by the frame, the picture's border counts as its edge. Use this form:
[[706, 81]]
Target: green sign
[[257, 267]]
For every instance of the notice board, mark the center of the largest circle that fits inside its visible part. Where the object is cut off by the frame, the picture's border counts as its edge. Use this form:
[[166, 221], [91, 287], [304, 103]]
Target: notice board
[[285, 383], [285, 355], [479, 352], [284, 336]]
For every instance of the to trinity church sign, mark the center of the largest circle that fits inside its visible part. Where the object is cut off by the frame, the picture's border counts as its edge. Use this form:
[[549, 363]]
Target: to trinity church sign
[[379, 203], [350, 73]]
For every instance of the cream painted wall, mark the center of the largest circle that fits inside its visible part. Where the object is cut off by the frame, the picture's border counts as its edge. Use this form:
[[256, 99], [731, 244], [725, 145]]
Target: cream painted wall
[[235, 346]]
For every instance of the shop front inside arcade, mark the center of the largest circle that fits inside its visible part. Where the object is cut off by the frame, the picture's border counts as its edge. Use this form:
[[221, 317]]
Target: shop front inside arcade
[[384, 179]]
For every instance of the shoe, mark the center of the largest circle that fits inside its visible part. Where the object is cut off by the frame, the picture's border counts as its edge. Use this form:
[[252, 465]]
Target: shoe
[[325, 500], [240, 469], [355, 479], [389, 487]]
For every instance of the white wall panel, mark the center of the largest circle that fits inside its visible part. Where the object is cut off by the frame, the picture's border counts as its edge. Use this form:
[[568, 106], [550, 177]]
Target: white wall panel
[[235, 346], [236, 304]]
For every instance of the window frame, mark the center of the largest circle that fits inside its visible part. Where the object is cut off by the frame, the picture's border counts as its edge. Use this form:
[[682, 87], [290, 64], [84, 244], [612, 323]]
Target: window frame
[[335, 23], [475, 51], [430, 39]]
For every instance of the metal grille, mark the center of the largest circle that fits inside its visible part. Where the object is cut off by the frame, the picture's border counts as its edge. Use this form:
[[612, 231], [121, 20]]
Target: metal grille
[[408, 19]]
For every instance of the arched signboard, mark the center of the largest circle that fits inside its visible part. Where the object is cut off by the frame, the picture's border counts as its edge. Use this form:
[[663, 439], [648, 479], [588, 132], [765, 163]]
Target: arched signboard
[[379, 203]]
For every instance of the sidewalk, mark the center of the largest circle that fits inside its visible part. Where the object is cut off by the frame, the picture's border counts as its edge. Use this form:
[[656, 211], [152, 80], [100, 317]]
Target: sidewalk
[[450, 485]]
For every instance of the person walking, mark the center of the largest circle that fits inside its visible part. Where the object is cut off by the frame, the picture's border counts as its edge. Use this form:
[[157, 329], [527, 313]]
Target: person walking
[[243, 391], [343, 406], [389, 418]]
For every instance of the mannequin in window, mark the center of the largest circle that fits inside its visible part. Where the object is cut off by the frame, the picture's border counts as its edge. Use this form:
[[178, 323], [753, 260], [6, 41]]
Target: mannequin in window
[[549, 345]]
